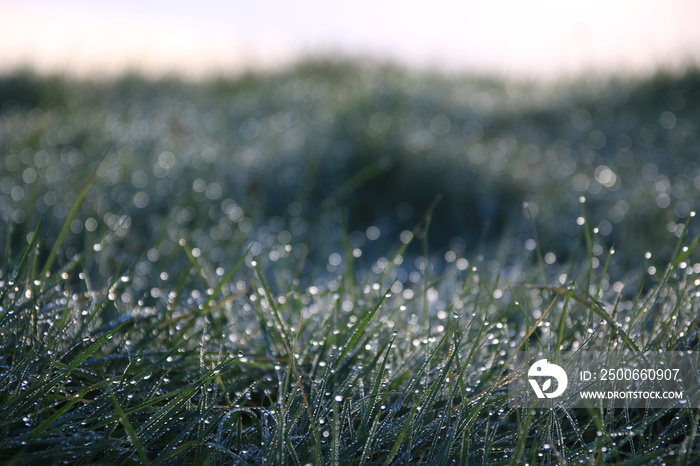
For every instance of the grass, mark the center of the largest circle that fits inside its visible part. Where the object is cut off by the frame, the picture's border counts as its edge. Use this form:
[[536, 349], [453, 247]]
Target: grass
[[192, 303]]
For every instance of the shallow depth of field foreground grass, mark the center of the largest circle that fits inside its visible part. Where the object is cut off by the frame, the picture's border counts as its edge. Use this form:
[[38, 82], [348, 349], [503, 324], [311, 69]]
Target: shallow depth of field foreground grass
[[333, 265]]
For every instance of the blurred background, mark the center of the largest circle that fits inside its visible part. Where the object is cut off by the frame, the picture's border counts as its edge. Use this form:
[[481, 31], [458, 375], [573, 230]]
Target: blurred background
[[318, 134], [541, 39]]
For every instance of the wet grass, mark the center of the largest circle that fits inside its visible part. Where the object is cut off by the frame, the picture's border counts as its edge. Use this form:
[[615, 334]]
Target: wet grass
[[261, 271]]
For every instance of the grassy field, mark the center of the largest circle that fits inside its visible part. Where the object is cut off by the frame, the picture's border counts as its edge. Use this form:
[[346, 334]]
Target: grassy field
[[333, 265]]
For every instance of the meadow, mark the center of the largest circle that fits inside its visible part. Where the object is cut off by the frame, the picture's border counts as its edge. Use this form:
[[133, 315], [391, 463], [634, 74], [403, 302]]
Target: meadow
[[333, 264]]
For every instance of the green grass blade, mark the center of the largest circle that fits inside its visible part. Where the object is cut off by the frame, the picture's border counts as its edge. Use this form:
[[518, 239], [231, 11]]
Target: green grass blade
[[69, 219], [357, 180], [41, 429], [538, 250], [590, 303], [195, 264], [424, 225], [359, 327], [135, 441], [20, 266], [292, 360], [224, 280], [562, 321]]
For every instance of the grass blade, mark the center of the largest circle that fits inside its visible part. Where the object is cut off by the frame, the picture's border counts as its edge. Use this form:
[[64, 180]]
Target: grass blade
[[69, 219], [592, 305], [135, 441], [359, 328]]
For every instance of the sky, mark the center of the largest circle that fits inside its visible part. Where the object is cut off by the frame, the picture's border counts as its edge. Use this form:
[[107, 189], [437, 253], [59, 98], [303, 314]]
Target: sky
[[540, 39]]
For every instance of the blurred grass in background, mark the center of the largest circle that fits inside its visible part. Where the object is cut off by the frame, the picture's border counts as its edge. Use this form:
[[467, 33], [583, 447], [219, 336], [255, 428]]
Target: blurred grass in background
[[291, 156]]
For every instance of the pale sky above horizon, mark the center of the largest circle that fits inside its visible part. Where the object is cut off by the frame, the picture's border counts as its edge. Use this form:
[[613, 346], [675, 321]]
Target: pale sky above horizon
[[521, 38]]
